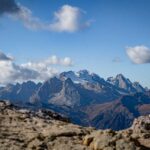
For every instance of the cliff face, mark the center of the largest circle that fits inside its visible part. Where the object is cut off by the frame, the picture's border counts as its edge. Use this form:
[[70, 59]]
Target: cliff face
[[46, 130]]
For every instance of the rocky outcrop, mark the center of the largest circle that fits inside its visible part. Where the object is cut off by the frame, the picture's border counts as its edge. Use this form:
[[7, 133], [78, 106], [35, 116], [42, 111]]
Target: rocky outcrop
[[45, 130], [135, 138], [22, 129]]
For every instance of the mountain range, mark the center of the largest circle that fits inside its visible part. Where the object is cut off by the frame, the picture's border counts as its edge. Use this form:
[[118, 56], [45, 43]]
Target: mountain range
[[86, 98]]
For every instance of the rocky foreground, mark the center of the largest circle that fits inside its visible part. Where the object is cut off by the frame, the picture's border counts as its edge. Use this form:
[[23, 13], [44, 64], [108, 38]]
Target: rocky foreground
[[22, 129]]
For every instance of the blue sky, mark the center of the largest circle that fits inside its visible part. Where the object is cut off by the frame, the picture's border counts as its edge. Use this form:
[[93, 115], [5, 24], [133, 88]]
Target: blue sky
[[106, 30]]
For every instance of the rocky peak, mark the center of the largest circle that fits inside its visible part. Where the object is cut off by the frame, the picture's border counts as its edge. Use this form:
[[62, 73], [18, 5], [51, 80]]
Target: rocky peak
[[68, 95], [53, 85], [120, 76], [68, 74], [68, 84], [28, 84], [83, 72], [84, 75], [138, 87], [98, 79], [120, 81]]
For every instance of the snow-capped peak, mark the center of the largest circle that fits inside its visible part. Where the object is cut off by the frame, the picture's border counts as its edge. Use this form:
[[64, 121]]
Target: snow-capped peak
[[81, 76]]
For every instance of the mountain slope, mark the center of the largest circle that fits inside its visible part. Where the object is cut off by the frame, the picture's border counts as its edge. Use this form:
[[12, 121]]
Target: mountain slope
[[120, 113], [63, 91]]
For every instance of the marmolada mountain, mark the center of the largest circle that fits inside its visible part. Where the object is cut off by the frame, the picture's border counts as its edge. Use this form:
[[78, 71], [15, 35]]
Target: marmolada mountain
[[85, 98], [64, 112]]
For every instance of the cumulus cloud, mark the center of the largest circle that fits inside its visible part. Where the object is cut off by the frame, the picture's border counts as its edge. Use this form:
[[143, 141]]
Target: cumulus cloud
[[45, 68], [25, 15], [36, 71], [139, 54], [52, 60], [11, 72], [66, 19]]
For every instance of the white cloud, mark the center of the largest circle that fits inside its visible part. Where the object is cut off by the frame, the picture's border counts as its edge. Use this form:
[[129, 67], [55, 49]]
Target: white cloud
[[10, 72], [66, 61], [36, 71], [139, 54], [53, 60], [66, 19], [45, 68], [31, 22]]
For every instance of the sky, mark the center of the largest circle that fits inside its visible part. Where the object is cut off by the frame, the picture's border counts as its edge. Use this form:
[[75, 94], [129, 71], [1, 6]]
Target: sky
[[39, 38]]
